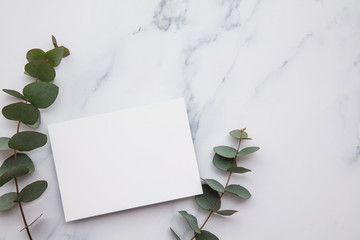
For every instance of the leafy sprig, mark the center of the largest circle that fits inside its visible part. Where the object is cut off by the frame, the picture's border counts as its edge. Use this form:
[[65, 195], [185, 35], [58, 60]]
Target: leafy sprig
[[37, 95], [225, 159]]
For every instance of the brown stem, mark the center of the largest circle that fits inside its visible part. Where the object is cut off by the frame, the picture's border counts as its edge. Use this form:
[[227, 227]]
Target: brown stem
[[222, 194], [17, 190]]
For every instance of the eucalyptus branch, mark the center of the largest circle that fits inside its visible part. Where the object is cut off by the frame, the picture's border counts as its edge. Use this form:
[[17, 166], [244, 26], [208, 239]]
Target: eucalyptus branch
[[222, 194], [224, 159], [39, 94], [17, 186]]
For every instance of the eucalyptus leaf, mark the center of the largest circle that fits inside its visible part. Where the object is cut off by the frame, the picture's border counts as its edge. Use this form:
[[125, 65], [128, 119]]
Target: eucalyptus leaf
[[223, 163], [21, 160], [239, 191], [238, 170], [53, 39], [175, 235], [35, 54], [205, 235], [55, 55], [37, 123], [4, 143], [13, 172], [208, 199], [238, 134], [226, 212], [215, 185], [66, 52], [225, 151], [14, 94], [192, 221], [40, 69], [248, 150], [41, 94], [7, 201], [32, 191], [20, 111], [27, 141]]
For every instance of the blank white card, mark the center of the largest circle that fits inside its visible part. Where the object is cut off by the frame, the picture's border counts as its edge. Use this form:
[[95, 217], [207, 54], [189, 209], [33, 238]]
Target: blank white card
[[125, 159]]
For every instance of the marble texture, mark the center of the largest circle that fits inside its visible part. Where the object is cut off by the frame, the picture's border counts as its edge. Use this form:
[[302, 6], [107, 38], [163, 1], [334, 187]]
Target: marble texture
[[289, 71]]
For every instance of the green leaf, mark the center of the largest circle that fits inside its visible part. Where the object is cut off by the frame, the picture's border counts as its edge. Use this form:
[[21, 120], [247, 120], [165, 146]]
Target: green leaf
[[225, 151], [7, 201], [41, 94], [192, 221], [26, 113], [35, 54], [13, 172], [248, 150], [223, 163], [226, 212], [208, 199], [175, 235], [32, 191], [66, 52], [27, 141], [54, 41], [238, 134], [14, 94], [37, 123], [55, 55], [215, 185], [40, 69], [21, 160], [239, 191], [205, 235], [4, 143], [238, 170]]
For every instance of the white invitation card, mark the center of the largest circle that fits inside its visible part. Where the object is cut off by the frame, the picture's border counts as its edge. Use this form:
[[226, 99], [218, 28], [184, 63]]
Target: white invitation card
[[124, 159]]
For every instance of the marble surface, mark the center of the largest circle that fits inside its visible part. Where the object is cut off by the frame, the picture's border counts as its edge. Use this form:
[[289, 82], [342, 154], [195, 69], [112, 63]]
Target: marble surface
[[289, 71]]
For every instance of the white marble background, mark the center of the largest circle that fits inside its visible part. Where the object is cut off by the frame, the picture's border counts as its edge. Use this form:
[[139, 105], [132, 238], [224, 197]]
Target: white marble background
[[289, 71]]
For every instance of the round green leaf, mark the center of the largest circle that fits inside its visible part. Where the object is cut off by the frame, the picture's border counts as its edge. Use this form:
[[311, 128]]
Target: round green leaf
[[55, 55], [37, 123], [225, 151], [238, 170], [41, 70], [26, 113], [208, 199], [7, 201], [13, 172], [247, 151], [205, 235], [35, 54], [215, 185], [32, 191], [41, 94], [14, 94], [226, 212], [175, 235], [238, 134], [192, 221], [21, 160], [223, 163], [27, 141], [66, 52], [4, 143], [239, 191]]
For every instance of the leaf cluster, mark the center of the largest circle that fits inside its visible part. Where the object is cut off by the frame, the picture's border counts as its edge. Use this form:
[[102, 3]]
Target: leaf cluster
[[225, 159], [39, 94]]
